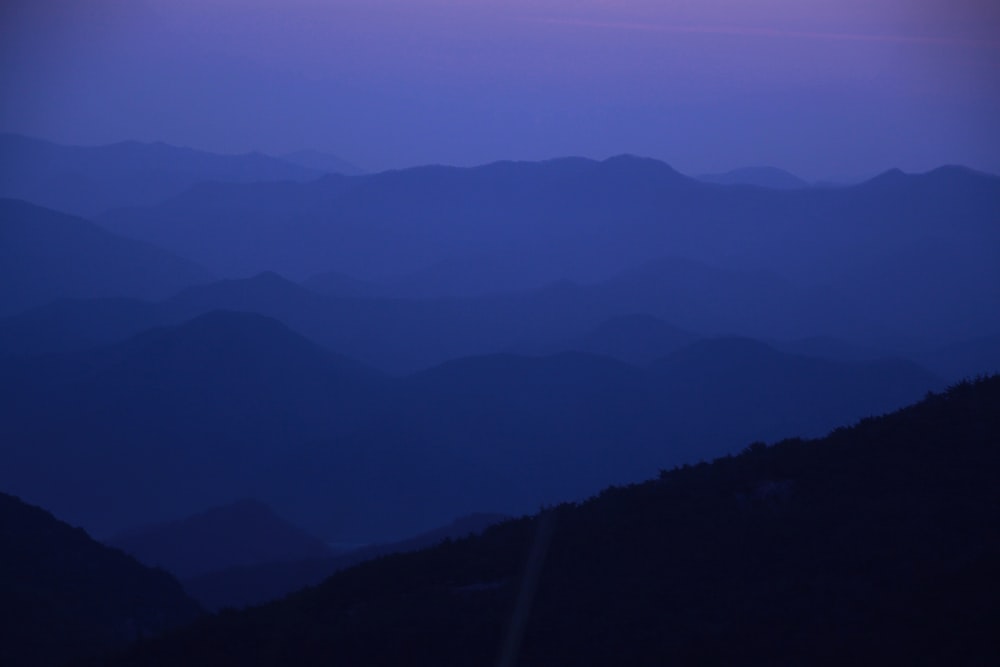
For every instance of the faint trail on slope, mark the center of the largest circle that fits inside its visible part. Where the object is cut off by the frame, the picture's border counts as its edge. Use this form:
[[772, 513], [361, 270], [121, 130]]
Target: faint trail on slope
[[529, 585]]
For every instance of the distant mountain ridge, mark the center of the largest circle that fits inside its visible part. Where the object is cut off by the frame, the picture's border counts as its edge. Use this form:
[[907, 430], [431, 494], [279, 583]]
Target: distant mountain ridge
[[243, 533], [46, 255], [763, 177], [87, 180], [881, 258], [320, 161], [237, 587], [403, 335], [585, 219]]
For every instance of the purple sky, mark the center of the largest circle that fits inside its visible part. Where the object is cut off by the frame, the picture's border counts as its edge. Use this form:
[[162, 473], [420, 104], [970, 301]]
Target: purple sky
[[829, 89]]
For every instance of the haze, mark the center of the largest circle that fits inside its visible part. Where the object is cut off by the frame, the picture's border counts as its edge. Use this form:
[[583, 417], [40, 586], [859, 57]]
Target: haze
[[828, 90]]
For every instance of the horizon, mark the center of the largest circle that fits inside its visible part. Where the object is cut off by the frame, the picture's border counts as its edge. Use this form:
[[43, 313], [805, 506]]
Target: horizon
[[830, 92], [365, 172]]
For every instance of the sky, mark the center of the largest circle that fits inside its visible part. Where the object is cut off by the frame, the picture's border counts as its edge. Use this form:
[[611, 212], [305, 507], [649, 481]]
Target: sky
[[828, 89]]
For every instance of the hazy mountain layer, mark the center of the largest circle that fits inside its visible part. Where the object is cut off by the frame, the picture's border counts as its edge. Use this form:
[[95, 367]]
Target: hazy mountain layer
[[244, 533], [404, 335], [889, 255], [230, 405], [88, 180], [46, 255], [762, 177]]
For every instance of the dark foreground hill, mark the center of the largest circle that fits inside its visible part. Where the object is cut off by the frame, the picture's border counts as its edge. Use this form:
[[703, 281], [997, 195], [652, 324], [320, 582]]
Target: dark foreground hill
[[65, 596], [876, 545]]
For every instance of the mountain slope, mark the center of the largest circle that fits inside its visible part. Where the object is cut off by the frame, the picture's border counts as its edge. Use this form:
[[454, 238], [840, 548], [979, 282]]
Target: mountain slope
[[202, 406], [88, 180], [244, 533], [64, 596], [230, 405], [776, 394], [46, 255], [874, 545], [323, 162], [635, 339], [238, 587]]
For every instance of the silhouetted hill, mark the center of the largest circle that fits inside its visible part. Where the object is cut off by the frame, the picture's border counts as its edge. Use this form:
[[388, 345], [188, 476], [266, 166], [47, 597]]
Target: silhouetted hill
[[46, 255], [64, 596], [243, 586], [874, 545], [88, 180], [244, 533], [762, 177]]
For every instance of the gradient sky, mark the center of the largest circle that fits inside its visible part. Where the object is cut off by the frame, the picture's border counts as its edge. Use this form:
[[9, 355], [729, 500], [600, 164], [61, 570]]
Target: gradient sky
[[829, 89]]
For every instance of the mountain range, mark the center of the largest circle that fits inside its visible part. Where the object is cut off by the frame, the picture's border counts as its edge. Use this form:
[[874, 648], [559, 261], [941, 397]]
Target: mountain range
[[372, 355], [762, 177], [367, 457], [874, 545], [45, 255], [87, 180], [883, 256]]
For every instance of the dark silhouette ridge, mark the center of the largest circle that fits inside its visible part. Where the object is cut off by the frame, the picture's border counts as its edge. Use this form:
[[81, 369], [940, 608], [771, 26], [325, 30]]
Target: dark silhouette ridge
[[88, 180], [46, 255], [64, 596], [243, 533], [238, 587], [873, 545]]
